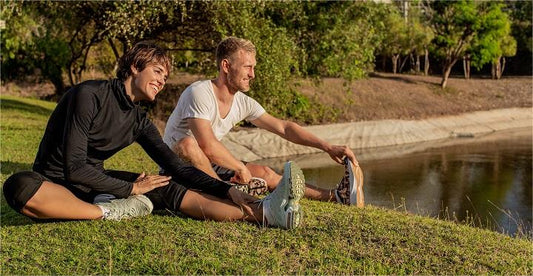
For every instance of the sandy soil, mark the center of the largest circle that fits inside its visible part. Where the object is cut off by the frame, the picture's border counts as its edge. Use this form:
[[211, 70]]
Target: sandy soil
[[388, 96]]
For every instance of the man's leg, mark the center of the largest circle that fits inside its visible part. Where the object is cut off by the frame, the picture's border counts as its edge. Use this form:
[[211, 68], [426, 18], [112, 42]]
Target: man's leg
[[272, 179], [189, 150]]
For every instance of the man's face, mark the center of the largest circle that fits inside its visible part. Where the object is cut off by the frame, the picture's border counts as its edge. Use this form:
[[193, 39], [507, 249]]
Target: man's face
[[241, 71]]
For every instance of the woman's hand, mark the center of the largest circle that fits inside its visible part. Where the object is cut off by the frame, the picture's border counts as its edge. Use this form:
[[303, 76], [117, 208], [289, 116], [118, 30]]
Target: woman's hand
[[146, 183]]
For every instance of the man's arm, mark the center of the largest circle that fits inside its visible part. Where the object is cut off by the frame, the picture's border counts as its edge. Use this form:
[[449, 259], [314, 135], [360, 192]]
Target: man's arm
[[215, 150], [295, 133]]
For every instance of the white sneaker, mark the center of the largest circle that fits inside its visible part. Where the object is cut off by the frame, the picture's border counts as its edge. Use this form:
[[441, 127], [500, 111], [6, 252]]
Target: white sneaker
[[281, 207], [350, 188], [133, 206]]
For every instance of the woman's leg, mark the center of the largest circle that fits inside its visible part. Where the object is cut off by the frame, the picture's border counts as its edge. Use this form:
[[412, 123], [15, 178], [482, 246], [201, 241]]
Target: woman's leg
[[55, 201], [203, 206], [36, 196]]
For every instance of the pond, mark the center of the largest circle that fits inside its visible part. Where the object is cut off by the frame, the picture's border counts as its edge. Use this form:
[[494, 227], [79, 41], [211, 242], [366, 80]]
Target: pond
[[483, 181]]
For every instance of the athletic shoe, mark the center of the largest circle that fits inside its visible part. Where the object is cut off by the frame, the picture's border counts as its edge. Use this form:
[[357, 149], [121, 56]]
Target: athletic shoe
[[281, 207], [125, 208], [256, 187], [350, 189]]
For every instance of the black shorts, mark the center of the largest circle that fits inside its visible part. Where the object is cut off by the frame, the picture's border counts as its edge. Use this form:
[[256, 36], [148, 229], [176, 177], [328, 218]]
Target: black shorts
[[224, 173], [20, 187]]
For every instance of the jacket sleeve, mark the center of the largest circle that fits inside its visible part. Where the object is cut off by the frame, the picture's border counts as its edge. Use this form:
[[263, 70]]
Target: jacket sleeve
[[188, 176], [81, 110]]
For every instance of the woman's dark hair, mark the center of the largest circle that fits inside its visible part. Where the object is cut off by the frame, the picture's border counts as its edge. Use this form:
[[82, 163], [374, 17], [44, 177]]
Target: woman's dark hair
[[142, 54]]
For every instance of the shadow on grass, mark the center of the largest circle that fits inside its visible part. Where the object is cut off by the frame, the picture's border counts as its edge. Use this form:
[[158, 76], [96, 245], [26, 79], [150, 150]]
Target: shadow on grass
[[9, 104], [8, 216], [396, 78], [405, 79], [9, 168]]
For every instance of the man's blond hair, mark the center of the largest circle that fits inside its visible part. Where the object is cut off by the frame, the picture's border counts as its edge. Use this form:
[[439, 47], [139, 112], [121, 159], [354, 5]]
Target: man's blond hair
[[229, 46]]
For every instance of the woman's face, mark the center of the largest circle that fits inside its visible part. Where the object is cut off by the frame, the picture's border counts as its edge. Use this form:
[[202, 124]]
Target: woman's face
[[148, 82]]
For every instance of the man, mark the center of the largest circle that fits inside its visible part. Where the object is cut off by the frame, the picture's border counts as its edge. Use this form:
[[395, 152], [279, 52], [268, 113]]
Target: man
[[208, 109]]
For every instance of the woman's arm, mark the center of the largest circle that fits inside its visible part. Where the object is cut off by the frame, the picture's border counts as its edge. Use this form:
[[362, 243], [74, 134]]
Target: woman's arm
[[189, 176], [81, 110]]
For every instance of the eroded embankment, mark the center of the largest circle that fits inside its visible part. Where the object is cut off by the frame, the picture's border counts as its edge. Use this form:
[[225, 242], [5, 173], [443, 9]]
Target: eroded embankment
[[258, 144]]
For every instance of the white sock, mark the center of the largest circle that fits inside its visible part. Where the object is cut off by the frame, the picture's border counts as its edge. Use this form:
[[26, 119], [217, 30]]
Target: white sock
[[105, 211]]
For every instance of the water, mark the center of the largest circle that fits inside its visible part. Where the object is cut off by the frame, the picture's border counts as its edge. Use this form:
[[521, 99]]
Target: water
[[486, 183]]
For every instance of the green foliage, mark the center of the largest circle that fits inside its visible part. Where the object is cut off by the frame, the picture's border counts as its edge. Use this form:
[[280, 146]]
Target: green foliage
[[28, 43], [455, 23], [275, 57], [396, 40], [493, 39], [336, 39], [521, 14], [294, 38]]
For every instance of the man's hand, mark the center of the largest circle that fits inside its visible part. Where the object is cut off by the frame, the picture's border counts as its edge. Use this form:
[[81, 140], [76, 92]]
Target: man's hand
[[242, 176], [242, 199], [337, 153], [146, 183]]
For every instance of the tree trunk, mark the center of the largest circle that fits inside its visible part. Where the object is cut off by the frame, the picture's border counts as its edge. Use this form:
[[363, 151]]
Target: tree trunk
[[412, 61], [395, 63], [403, 63], [426, 62], [114, 48], [466, 67], [497, 68], [59, 85], [446, 69], [502, 68], [417, 64]]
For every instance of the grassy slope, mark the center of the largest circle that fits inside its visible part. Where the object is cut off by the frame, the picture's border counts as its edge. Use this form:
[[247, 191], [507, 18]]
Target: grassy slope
[[333, 240]]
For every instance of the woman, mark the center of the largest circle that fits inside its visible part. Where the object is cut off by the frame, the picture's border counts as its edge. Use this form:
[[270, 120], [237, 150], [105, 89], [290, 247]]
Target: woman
[[95, 120]]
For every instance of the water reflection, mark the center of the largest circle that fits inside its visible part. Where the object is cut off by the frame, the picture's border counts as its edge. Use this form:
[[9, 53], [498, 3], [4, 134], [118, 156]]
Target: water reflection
[[487, 183]]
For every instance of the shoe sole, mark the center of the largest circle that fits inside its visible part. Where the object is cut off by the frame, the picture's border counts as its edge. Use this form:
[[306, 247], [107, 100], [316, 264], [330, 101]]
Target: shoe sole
[[296, 192], [257, 186], [357, 196]]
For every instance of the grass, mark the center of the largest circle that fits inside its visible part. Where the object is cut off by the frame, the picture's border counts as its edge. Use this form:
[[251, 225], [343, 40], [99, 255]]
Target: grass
[[334, 239]]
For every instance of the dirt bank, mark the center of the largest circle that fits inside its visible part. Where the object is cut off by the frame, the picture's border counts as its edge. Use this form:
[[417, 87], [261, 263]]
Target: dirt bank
[[411, 97]]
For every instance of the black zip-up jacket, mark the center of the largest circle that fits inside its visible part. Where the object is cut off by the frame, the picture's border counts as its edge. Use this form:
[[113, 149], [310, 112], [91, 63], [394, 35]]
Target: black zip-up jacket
[[93, 121]]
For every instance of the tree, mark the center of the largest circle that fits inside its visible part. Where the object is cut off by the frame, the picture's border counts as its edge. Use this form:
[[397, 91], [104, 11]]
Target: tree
[[396, 39], [493, 41], [30, 42], [455, 24], [521, 30]]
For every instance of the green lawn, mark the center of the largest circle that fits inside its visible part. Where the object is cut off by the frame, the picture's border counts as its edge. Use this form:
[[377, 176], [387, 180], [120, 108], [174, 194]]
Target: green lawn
[[334, 239]]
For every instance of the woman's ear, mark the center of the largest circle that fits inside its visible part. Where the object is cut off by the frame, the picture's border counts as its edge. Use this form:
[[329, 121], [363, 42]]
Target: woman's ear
[[133, 70]]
